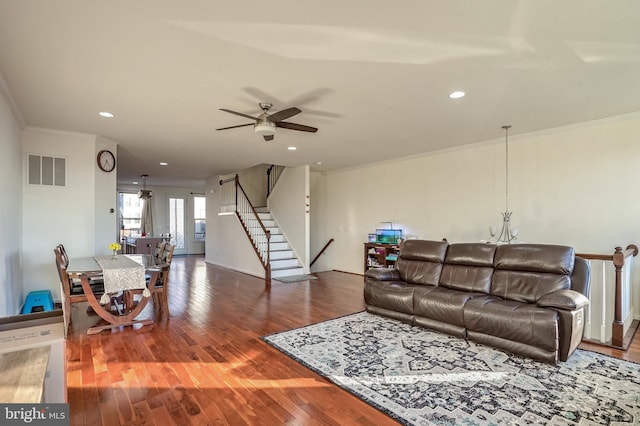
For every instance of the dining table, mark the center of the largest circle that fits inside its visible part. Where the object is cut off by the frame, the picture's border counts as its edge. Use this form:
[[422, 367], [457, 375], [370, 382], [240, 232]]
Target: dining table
[[124, 277]]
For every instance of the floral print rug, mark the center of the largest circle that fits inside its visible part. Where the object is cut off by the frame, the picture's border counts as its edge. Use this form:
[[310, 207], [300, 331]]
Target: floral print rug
[[421, 377]]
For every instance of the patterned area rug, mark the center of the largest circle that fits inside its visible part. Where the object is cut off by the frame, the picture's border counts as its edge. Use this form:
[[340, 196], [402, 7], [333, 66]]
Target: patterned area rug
[[420, 377], [295, 278]]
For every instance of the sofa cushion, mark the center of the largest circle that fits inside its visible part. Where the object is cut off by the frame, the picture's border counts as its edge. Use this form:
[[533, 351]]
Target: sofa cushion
[[526, 272], [441, 304], [419, 272], [382, 274], [471, 254], [563, 299], [393, 295], [466, 278], [430, 251], [526, 287], [468, 267], [535, 258], [518, 322], [420, 261]]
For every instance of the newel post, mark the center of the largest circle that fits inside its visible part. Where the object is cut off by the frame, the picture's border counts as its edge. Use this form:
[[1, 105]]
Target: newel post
[[617, 329], [267, 272]]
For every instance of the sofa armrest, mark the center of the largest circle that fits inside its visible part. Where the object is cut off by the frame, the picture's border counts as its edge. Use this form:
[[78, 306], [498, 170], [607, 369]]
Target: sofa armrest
[[383, 274], [569, 300]]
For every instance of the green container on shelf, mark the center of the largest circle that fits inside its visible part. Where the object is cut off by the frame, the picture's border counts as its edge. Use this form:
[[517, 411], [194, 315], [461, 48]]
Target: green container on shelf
[[388, 236]]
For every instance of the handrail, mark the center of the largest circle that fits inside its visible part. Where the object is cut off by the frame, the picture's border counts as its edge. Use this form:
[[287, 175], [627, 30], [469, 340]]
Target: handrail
[[272, 180], [260, 241], [253, 210], [631, 250], [618, 259], [321, 252], [222, 182]]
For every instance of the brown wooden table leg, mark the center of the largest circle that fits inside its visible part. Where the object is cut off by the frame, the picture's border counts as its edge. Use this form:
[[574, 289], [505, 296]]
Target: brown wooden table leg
[[131, 312]]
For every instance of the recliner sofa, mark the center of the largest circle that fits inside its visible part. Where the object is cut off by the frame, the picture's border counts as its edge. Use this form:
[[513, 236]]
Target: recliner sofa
[[527, 299]]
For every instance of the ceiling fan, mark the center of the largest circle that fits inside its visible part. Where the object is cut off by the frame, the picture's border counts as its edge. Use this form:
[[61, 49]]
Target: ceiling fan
[[265, 124]]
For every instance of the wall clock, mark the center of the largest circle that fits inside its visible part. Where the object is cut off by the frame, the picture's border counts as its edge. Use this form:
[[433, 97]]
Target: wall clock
[[106, 161]]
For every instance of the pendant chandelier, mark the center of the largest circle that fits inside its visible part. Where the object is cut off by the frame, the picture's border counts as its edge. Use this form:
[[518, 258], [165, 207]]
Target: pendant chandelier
[[506, 235], [144, 193]]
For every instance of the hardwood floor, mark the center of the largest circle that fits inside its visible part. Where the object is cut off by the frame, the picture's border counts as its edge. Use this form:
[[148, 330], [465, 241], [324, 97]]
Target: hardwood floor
[[207, 364]]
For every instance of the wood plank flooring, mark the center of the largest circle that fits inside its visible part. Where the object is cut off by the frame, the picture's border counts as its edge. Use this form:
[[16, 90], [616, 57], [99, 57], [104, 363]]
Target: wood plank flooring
[[207, 364]]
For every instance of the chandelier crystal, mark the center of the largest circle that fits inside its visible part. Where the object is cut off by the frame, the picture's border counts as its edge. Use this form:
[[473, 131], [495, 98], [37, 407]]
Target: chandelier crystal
[[506, 235]]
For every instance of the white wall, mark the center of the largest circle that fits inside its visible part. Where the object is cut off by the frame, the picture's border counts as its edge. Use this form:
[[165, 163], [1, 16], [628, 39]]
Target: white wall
[[53, 215], [227, 243], [575, 185], [106, 228], [287, 204], [319, 226], [11, 163]]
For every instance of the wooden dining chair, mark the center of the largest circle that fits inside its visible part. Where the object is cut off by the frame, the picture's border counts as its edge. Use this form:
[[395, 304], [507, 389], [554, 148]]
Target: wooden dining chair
[[159, 249], [159, 288], [70, 290], [63, 251]]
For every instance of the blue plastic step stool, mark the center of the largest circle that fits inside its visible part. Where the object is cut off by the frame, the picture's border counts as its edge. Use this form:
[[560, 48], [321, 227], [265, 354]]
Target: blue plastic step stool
[[38, 301]]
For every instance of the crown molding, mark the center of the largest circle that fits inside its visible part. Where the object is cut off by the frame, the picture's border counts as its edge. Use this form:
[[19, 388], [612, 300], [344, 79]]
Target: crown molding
[[13, 105]]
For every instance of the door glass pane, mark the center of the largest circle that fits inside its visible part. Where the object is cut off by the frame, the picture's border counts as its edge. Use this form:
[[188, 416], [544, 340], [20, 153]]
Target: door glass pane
[[176, 222], [200, 217], [130, 214]]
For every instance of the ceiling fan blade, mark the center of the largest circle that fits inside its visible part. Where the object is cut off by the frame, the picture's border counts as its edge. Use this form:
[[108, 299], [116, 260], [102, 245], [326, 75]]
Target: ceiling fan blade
[[294, 126], [268, 138], [233, 127], [284, 114], [238, 113]]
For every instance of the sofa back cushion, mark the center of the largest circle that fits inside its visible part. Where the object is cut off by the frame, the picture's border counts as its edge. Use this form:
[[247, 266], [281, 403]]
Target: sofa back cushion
[[468, 267], [526, 272], [420, 261]]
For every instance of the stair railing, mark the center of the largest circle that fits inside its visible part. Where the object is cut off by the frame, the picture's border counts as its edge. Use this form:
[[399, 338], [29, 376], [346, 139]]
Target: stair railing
[[257, 233], [605, 299], [321, 252], [273, 174]]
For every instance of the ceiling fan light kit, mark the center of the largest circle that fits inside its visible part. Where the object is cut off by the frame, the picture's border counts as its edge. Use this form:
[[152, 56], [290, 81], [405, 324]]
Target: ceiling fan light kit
[[265, 124], [264, 127]]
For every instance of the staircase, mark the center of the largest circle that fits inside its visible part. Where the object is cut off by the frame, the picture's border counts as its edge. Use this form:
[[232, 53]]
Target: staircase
[[284, 262]]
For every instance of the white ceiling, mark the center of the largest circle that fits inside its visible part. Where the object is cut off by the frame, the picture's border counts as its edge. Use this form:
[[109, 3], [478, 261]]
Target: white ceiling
[[373, 75]]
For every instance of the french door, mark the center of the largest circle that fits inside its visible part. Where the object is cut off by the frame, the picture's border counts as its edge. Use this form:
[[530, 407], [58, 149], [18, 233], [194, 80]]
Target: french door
[[177, 216]]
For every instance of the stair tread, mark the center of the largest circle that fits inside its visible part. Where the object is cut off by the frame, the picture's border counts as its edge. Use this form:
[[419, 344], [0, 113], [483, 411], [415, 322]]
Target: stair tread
[[285, 268]]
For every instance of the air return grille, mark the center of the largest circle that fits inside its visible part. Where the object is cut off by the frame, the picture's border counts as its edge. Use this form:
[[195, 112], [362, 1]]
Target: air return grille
[[46, 171]]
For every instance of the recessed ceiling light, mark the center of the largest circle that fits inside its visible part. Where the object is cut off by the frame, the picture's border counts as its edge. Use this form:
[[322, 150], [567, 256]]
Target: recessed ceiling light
[[292, 148], [135, 182], [457, 94], [106, 114], [164, 164], [319, 163]]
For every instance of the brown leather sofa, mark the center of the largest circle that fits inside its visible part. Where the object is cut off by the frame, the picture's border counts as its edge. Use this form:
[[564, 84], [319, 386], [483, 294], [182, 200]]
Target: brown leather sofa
[[527, 299]]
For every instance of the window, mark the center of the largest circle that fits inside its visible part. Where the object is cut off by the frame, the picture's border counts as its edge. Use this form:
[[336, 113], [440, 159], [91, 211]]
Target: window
[[130, 214], [200, 217], [177, 222]]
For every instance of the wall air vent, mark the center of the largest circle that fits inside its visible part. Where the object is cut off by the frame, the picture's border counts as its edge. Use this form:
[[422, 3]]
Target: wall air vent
[[46, 171]]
